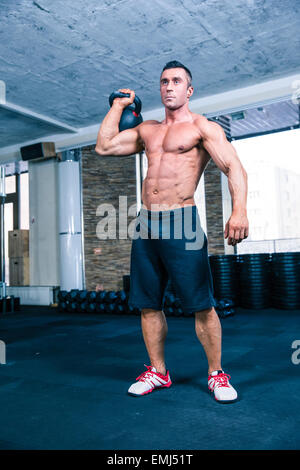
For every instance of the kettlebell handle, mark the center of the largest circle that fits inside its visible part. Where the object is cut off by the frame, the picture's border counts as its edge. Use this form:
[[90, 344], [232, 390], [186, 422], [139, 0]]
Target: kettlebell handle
[[119, 94]]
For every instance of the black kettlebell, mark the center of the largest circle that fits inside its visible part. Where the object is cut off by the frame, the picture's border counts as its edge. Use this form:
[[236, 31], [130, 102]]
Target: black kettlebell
[[131, 116]]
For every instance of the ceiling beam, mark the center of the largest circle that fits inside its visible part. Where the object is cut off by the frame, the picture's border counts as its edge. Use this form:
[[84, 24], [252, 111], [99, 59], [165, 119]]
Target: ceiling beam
[[36, 116]]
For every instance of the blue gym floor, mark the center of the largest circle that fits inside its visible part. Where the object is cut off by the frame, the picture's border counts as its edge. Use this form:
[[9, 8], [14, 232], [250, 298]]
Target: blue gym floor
[[65, 381]]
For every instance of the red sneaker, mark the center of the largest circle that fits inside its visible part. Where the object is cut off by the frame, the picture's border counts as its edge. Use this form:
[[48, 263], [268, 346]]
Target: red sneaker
[[148, 381], [218, 384]]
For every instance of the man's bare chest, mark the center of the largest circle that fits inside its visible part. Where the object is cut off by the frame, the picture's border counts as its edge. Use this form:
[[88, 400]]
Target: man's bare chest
[[177, 138]]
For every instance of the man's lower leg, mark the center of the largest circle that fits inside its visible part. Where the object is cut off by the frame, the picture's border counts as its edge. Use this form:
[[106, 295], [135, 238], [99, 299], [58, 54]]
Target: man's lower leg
[[209, 333], [154, 327]]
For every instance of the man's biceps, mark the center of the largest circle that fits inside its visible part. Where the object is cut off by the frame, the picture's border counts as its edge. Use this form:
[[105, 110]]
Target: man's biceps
[[129, 136]]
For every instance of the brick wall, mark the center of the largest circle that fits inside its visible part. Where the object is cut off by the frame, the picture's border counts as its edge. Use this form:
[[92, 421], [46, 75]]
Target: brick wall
[[104, 179], [214, 210]]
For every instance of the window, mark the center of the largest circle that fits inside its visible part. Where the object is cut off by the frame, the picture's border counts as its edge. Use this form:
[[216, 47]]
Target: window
[[16, 210], [24, 201], [273, 166], [10, 184]]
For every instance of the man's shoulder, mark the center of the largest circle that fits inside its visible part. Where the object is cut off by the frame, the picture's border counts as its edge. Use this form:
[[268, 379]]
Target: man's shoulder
[[205, 126]]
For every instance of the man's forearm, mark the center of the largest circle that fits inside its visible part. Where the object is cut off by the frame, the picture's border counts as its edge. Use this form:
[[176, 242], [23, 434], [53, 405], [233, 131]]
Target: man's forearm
[[238, 187], [109, 127]]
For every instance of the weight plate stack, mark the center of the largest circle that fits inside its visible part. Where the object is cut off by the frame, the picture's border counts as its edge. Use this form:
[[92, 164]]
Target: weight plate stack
[[254, 280], [224, 271], [285, 280]]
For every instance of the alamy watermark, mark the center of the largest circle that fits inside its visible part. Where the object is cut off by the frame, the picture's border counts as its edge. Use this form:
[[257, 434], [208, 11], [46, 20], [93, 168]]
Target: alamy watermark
[[2, 352], [296, 354], [157, 222]]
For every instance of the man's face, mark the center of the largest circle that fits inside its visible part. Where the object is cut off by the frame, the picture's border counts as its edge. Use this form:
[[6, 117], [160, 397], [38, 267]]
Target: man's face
[[174, 88]]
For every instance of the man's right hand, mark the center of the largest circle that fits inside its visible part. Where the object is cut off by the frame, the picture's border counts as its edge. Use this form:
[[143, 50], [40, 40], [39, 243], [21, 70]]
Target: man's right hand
[[124, 102]]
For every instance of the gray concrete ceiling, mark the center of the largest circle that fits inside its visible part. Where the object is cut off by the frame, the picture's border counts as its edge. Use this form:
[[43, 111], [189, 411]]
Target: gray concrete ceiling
[[62, 58]]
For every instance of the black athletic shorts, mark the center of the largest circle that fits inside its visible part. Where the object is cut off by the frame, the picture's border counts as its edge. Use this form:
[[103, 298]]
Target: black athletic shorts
[[170, 245]]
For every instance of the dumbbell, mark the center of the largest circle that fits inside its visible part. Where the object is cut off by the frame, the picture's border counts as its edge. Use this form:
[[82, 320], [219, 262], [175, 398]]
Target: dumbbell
[[110, 308], [122, 296], [91, 296], [227, 312], [177, 311], [101, 295], [82, 307], [111, 296], [62, 295], [224, 303], [100, 307], [180, 312], [72, 294], [72, 307], [91, 307], [169, 311], [119, 309], [62, 306], [176, 303], [81, 296]]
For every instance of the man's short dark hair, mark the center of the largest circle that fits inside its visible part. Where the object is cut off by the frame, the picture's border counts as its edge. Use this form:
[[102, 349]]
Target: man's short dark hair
[[175, 64]]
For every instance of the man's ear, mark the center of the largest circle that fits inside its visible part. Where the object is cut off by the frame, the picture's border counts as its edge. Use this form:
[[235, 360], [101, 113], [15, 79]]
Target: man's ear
[[190, 91]]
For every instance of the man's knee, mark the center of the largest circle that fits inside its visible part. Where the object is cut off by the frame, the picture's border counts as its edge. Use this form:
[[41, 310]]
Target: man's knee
[[147, 311], [206, 313]]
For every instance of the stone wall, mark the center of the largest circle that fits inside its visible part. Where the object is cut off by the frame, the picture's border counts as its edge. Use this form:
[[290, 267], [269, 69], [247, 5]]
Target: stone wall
[[104, 179], [214, 209]]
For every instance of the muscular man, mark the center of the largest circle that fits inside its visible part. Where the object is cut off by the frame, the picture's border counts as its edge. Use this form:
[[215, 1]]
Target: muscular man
[[178, 150]]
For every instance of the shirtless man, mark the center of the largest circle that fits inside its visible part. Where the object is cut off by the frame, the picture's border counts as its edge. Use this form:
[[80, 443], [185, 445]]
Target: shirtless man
[[178, 150]]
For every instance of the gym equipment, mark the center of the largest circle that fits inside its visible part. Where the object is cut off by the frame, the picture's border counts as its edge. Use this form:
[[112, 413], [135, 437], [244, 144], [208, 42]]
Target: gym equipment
[[169, 311], [254, 280], [110, 308], [224, 303], [111, 297], [91, 307], [285, 280], [91, 296], [122, 296], [129, 309], [71, 307], [229, 312], [81, 295], [225, 308], [224, 271], [131, 116], [120, 309], [71, 295], [101, 296], [82, 307], [62, 306], [62, 295], [100, 307]]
